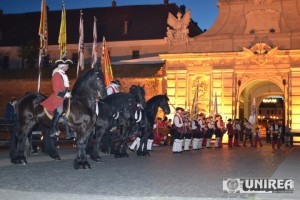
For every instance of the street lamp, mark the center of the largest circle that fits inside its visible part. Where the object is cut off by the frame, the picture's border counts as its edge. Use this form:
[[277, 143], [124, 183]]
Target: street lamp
[[283, 118]]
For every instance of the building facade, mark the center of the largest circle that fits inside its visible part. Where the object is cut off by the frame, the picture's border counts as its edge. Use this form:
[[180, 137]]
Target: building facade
[[251, 52]]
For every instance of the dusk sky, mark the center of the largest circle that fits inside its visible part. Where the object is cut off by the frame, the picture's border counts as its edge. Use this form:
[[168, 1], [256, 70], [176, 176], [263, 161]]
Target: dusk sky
[[204, 12]]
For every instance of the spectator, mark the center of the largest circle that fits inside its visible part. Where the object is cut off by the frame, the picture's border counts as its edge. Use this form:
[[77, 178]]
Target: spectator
[[257, 137], [268, 134], [10, 113]]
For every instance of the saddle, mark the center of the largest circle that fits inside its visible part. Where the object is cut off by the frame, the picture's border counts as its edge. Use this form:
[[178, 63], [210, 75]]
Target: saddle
[[66, 109]]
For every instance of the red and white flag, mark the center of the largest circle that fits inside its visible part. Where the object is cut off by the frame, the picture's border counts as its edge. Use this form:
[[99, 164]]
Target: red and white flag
[[80, 63], [95, 44], [43, 29]]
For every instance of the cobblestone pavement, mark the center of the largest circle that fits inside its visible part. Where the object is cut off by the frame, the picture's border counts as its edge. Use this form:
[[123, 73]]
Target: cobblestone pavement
[[163, 175]]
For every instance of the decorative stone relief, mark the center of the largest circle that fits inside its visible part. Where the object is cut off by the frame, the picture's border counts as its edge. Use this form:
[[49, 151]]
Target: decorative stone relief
[[203, 83], [179, 30], [260, 53]]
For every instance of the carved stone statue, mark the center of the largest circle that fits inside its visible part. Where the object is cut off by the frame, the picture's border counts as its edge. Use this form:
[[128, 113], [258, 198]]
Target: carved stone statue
[[170, 35], [179, 25]]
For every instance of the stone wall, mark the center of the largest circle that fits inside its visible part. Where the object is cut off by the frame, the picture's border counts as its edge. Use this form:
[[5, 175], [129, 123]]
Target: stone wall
[[18, 87]]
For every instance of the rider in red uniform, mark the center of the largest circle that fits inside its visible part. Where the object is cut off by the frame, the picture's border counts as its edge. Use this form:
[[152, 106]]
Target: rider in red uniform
[[61, 91]]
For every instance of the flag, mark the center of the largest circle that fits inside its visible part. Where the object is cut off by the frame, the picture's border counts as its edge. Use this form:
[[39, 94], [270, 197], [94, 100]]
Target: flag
[[252, 116], [80, 63], [43, 33], [95, 45], [215, 105], [106, 65], [62, 38], [194, 110], [43, 29]]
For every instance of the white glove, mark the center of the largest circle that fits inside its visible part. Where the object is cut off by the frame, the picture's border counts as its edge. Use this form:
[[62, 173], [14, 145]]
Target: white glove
[[68, 95]]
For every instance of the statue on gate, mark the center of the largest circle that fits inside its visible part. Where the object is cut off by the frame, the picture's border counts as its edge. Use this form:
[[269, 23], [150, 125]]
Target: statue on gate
[[179, 25]]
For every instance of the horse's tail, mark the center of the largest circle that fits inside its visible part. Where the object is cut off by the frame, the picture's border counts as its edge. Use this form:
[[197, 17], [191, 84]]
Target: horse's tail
[[13, 142]]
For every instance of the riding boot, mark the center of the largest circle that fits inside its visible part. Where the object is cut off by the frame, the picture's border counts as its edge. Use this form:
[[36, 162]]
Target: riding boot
[[69, 134], [55, 119]]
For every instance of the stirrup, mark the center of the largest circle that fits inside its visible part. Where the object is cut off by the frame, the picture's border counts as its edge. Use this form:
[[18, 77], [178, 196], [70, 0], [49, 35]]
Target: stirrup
[[55, 133]]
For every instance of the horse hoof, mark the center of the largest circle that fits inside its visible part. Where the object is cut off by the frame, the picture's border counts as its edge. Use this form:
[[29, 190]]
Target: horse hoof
[[57, 158]]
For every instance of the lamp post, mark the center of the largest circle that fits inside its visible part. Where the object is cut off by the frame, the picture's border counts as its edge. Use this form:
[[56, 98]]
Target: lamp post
[[237, 98], [283, 118]]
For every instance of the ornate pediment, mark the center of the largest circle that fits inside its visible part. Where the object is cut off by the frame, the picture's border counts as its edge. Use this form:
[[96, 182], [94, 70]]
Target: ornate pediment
[[260, 53]]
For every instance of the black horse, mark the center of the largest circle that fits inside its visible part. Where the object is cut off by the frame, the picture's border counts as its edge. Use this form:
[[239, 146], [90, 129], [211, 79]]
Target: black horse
[[146, 125], [81, 118], [122, 110]]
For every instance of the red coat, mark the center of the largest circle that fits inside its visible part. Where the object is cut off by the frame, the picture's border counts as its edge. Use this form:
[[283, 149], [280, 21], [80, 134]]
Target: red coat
[[54, 101]]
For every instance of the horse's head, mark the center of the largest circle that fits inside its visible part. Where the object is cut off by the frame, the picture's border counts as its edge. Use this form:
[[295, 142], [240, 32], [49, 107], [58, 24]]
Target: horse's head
[[164, 104], [90, 84], [99, 84], [139, 94]]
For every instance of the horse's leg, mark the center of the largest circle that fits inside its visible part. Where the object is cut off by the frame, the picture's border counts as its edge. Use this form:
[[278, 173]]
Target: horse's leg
[[118, 152], [123, 149], [21, 134], [95, 155], [49, 145], [90, 144], [80, 161], [13, 143], [106, 142], [142, 151]]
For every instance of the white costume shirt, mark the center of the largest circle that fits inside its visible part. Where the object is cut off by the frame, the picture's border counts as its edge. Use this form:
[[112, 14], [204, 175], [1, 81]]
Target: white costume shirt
[[178, 120], [112, 88]]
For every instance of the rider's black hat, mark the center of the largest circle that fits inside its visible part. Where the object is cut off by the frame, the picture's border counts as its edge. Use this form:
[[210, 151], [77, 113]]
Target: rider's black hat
[[117, 82], [62, 62]]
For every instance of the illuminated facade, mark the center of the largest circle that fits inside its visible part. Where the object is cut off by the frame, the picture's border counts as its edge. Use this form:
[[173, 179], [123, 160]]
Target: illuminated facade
[[251, 52]]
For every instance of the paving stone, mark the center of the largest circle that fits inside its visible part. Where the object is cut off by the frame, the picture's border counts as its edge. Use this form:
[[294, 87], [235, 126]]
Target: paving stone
[[163, 175]]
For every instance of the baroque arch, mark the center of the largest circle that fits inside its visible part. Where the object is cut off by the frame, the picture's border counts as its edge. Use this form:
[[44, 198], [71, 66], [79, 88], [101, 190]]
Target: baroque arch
[[255, 89]]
